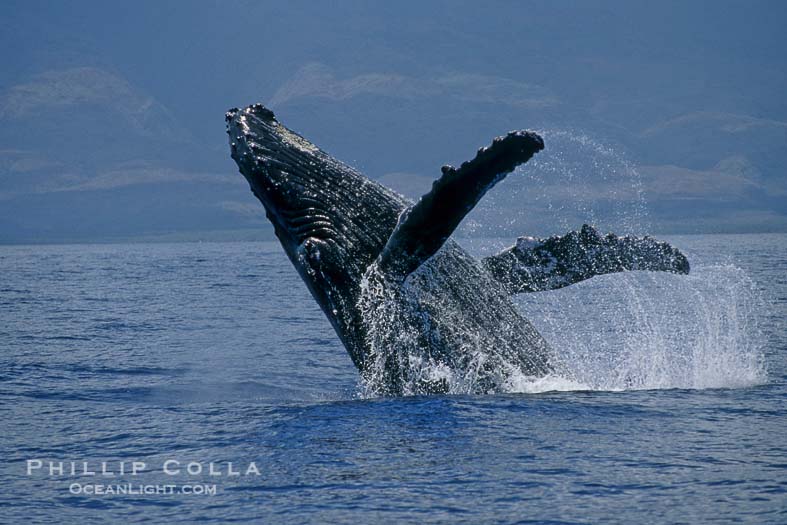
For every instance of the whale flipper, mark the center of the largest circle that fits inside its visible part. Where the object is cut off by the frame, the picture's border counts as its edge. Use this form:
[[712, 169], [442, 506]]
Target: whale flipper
[[424, 228], [535, 265]]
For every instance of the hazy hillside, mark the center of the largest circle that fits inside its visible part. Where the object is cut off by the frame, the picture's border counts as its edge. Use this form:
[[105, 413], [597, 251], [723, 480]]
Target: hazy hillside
[[112, 126]]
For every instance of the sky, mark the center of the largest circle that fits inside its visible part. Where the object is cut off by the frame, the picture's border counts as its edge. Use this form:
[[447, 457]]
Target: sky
[[659, 117]]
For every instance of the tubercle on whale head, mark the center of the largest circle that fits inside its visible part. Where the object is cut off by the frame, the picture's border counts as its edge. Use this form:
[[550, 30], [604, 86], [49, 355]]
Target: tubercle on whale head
[[316, 204], [258, 109], [274, 169], [256, 146]]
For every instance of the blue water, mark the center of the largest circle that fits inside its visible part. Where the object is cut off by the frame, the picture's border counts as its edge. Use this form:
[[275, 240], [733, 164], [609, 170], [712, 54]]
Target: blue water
[[212, 352]]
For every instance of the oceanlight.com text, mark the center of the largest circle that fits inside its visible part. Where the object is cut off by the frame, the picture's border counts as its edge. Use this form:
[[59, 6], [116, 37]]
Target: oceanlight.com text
[[136, 489]]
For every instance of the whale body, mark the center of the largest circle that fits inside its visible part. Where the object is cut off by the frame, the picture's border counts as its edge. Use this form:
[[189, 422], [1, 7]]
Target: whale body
[[416, 313]]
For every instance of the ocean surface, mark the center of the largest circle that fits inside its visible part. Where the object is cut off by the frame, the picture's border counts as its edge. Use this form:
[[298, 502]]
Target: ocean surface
[[172, 361]]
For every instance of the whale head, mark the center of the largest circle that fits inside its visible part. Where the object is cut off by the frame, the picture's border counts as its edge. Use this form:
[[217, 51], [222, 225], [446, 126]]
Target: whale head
[[331, 221]]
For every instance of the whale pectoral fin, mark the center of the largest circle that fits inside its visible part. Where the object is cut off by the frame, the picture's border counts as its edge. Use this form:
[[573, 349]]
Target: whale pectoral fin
[[535, 265], [424, 228]]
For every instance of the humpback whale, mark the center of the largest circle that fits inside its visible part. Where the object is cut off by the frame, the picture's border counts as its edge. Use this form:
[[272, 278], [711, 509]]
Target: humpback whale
[[415, 311]]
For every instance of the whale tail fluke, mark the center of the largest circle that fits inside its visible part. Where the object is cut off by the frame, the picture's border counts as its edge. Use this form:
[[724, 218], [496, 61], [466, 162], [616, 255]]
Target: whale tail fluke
[[535, 265]]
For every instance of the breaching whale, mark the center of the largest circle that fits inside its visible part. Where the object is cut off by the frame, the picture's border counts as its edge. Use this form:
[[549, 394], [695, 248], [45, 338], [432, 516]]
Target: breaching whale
[[417, 313]]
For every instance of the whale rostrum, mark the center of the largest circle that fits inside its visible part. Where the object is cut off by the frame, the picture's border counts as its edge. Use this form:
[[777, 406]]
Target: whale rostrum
[[416, 313]]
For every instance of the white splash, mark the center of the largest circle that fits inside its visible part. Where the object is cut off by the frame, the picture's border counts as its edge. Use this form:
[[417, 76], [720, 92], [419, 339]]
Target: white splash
[[624, 331], [642, 330], [519, 384], [575, 180]]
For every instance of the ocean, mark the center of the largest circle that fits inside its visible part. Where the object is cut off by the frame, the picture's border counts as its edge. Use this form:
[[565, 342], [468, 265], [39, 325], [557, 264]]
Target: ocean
[[199, 382]]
